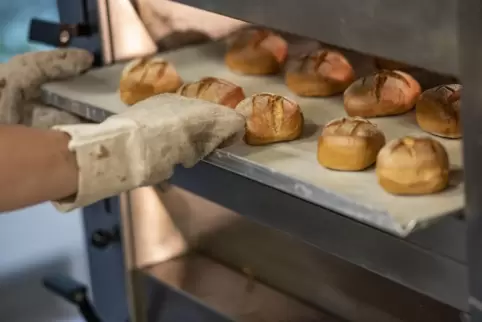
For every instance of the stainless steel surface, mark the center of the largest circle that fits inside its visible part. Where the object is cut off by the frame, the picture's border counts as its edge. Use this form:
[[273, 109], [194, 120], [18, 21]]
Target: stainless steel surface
[[290, 167], [427, 265], [236, 295], [119, 32], [294, 267], [422, 33], [105, 32], [128, 36]]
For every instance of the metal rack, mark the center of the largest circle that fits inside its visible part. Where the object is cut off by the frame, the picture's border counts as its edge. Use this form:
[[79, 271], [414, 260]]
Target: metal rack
[[443, 36]]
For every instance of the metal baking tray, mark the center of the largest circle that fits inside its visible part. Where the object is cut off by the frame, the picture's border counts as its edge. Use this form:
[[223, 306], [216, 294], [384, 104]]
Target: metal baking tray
[[290, 167]]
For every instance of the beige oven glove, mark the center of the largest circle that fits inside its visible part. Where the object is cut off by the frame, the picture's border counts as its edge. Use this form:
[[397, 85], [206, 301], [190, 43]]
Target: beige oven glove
[[20, 81], [141, 146]]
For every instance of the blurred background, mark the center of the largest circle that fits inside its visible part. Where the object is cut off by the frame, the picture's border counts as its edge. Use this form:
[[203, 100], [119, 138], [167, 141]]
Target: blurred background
[[35, 241]]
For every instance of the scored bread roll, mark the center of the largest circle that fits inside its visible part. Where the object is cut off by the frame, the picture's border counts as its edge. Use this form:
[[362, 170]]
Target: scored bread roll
[[383, 93], [270, 118], [146, 77], [349, 144], [413, 166], [214, 90], [438, 111], [322, 73], [256, 52]]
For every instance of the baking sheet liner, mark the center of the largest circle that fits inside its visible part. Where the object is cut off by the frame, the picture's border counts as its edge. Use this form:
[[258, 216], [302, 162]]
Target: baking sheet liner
[[291, 167]]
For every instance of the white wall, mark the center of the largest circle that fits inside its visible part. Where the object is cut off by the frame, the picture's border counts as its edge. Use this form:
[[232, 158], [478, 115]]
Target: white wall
[[36, 241]]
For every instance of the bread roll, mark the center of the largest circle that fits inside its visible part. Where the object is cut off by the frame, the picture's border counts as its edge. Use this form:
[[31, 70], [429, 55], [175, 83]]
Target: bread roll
[[438, 111], [381, 94], [256, 52], [214, 90], [270, 118], [146, 77], [413, 166], [322, 73], [349, 144]]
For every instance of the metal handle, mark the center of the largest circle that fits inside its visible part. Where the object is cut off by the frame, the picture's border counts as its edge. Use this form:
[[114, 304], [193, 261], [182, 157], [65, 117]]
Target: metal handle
[[73, 292], [55, 34]]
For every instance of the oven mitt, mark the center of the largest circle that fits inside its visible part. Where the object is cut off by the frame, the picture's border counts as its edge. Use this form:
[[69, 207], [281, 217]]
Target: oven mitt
[[20, 81], [142, 145]]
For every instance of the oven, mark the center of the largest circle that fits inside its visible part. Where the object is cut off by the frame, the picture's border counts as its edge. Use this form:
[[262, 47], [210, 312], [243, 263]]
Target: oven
[[231, 241]]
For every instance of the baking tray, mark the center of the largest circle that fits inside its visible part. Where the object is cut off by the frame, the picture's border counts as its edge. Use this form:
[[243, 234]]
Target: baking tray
[[291, 167]]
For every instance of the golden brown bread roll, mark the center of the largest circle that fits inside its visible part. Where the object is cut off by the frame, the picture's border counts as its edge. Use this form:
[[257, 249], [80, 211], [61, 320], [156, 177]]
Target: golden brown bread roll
[[322, 73], [438, 111], [349, 144], [214, 90], [381, 94], [270, 118], [256, 52], [146, 77], [413, 166]]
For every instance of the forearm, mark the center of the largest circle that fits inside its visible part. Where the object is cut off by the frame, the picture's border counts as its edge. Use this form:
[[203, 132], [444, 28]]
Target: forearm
[[35, 166]]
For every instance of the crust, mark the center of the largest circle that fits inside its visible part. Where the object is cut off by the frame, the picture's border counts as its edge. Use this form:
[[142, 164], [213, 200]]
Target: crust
[[141, 79]]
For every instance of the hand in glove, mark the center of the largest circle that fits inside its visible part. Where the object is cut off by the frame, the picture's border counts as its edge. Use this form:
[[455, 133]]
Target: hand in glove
[[141, 146], [20, 81]]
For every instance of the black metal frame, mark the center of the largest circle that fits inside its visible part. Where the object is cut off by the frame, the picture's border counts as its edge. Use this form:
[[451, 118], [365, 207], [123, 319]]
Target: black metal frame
[[85, 12], [471, 71], [78, 26], [106, 262], [440, 35]]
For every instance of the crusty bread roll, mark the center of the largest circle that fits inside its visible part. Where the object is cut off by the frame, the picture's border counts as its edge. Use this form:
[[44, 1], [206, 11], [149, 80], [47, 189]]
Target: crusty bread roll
[[381, 94], [438, 111], [349, 144], [322, 73], [413, 166], [214, 90], [146, 77], [256, 52], [270, 118]]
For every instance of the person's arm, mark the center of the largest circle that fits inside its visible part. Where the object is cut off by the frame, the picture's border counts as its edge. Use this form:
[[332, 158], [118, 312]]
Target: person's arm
[[139, 147], [35, 166]]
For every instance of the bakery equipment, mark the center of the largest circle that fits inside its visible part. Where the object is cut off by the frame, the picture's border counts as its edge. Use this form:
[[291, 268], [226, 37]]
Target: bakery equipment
[[288, 220]]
